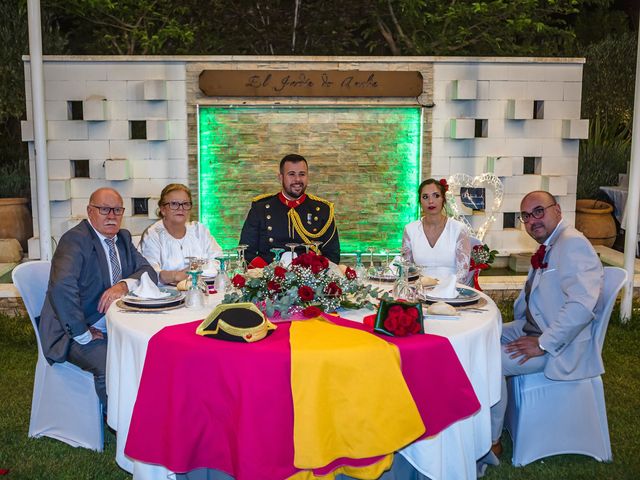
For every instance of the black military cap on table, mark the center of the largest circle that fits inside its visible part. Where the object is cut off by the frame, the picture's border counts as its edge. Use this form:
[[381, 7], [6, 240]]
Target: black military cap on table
[[236, 322]]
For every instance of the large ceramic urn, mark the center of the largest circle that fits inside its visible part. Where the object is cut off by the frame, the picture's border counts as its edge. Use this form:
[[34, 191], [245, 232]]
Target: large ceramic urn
[[15, 220], [594, 218]]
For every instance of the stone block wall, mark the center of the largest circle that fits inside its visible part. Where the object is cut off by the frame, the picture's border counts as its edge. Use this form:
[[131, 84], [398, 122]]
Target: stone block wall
[[86, 148], [159, 96], [523, 104]]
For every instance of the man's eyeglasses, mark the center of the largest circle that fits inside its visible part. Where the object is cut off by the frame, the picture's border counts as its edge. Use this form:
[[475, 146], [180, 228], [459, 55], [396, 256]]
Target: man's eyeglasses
[[536, 213], [177, 205], [117, 211]]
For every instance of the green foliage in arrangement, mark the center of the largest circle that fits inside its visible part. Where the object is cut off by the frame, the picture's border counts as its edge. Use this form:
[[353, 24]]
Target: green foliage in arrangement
[[41, 458]]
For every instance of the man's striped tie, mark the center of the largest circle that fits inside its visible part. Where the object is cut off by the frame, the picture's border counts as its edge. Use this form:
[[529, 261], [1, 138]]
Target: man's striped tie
[[116, 270]]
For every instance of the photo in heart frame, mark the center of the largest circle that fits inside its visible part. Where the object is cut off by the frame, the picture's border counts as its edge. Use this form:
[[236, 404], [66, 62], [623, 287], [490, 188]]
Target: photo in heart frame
[[482, 194]]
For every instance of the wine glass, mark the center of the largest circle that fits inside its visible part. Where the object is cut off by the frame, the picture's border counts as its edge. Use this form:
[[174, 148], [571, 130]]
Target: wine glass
[[222, 282], [402, 288], [293, 247], [307, 246], [190, 263], [371, 271], [316, 244], [386, 270], [277, 252], [242, 262], [360, 269]]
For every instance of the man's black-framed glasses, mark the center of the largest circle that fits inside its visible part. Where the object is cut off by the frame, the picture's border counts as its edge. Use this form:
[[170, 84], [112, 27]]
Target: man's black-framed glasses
[[176, 205], [117, 211], [536, 213]]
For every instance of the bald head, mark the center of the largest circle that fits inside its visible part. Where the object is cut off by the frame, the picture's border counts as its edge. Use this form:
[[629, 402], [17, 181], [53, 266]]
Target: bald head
[[542, 214], [543, 195], [104, 191], [107, 200]]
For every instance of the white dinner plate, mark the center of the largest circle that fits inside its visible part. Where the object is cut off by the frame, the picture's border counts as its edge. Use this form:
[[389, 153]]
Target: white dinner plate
[[173, 296], [466, 296]]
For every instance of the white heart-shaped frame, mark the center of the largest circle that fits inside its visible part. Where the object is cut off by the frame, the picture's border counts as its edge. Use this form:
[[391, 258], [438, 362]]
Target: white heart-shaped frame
[[494, 191]]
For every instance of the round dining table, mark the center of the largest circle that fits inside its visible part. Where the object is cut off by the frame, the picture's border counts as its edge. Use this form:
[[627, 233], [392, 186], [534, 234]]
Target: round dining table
[[451, 454]]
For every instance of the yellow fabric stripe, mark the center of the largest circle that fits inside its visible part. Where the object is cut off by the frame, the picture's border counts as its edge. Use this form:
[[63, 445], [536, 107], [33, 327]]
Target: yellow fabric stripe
[[370, 472], [349, 396]]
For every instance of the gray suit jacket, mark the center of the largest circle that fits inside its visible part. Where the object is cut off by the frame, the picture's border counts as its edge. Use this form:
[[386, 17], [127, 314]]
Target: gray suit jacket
[[79, 277], [563, 299]]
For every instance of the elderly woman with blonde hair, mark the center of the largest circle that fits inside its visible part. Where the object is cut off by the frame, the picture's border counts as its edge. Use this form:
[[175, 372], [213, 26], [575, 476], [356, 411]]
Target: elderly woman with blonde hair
[[168, 242]]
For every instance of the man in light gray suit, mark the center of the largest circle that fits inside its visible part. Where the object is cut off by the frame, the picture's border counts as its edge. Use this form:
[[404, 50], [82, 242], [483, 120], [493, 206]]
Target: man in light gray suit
[[553, 314], [94, 265]]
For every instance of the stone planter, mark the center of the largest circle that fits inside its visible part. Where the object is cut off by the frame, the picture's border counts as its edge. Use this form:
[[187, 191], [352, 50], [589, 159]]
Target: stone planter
[[594, 219], [15, 220]]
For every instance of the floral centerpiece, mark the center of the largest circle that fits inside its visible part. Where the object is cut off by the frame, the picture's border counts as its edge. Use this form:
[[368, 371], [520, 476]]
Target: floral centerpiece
[[308, 286], [481, 259]]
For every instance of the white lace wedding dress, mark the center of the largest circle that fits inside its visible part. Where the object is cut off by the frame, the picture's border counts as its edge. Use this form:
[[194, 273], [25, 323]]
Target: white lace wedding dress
[[449, 256]]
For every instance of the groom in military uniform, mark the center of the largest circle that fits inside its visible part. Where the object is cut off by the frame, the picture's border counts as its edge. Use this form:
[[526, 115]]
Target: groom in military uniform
[[290, 216]]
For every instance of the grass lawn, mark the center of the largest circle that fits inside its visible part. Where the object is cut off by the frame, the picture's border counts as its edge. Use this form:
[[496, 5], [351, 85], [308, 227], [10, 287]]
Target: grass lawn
[[45, 458]]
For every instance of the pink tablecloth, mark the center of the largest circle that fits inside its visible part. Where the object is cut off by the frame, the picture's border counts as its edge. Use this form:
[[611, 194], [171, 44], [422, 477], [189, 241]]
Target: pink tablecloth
[[205, 403]]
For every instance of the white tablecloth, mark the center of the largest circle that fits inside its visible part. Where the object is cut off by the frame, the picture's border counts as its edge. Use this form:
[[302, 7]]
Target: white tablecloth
[[449, 455], [618, 196]]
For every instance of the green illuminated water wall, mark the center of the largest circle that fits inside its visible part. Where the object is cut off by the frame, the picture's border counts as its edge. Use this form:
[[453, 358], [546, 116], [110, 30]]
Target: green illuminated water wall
[[365, 160]]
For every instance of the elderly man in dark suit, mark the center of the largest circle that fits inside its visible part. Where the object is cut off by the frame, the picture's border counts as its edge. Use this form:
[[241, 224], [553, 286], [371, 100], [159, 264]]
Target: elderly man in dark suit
[[553, 315], [94, 265]]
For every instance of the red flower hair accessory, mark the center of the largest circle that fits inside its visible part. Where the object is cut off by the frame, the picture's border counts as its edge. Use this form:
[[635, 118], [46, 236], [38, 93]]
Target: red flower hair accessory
[[443, 182]]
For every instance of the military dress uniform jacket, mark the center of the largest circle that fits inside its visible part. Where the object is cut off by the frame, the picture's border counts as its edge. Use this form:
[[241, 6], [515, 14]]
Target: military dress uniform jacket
[[270, 225]]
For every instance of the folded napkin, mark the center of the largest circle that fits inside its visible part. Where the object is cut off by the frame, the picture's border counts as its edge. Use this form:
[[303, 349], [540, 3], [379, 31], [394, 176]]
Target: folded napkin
[[149, 290], [446, 288], [257, 262], [210, 269], [287, 258]]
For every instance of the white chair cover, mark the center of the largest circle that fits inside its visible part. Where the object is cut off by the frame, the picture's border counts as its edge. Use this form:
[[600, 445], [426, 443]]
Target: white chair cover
[[65, 405], [548, 417]]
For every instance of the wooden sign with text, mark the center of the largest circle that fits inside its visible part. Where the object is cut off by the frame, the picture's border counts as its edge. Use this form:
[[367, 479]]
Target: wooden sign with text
[[309, 83]]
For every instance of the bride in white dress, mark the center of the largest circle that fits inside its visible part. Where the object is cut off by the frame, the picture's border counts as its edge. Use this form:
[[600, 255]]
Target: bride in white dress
[[439, 245], [168, 242]]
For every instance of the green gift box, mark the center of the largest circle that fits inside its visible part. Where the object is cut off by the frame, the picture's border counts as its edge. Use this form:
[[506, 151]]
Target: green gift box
[[403, 324]]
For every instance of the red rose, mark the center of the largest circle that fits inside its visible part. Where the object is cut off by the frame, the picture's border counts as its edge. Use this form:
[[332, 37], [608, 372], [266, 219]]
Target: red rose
[[333, 290], [350, 273], [412, 313], [406, 320], [316, 268], [316, 263], [306, 293], [279, 272], [311, 311], [391, 323], [443, 182], [273, 286], [239, 281], [324, 261]]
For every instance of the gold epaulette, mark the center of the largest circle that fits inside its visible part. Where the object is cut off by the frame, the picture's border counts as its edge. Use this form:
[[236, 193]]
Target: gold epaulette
[[261, 196], [321, 200]]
